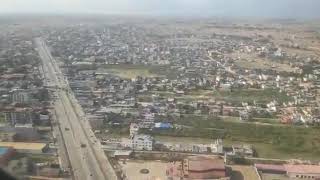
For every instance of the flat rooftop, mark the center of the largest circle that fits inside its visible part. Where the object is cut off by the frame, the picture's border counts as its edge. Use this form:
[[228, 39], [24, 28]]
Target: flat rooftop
[[3, 150], [23, 145]]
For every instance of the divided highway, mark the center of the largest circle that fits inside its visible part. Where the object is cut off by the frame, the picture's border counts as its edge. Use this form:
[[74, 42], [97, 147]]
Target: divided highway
[[83, 149]]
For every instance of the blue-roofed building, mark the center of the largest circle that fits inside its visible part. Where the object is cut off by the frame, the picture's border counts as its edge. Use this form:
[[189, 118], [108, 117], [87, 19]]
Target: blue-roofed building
[[3, 150], [162, 125], [5, 154]]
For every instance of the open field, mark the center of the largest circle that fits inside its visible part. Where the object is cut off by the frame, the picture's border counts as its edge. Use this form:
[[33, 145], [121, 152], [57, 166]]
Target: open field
[[270, 141], [251, 95], [42, 158], [128, 71], [235, 96], [157, 170]]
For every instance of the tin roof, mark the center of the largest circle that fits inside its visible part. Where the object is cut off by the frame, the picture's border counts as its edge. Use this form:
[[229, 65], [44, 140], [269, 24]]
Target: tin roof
[[205, 164], [270, 167], [3, 150], [303, 169]]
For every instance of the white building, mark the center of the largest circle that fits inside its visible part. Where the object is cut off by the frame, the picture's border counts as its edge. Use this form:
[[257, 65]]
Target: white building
[[142, 142], [134, 128], [217, 146]]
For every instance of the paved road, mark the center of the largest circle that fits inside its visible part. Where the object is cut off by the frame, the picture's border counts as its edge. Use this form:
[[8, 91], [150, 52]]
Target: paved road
[[84, 151]]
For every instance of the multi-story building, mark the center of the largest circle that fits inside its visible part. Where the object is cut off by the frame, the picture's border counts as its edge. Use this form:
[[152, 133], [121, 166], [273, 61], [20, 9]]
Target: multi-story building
[[20, 96], [142, 142], [134, 128]]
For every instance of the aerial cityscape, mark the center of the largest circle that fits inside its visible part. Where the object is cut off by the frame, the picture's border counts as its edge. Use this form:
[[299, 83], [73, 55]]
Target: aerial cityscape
[[102, 97]]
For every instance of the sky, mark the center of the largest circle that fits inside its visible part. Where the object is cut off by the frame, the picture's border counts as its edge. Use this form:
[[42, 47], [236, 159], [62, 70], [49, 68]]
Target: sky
[[225, 8]]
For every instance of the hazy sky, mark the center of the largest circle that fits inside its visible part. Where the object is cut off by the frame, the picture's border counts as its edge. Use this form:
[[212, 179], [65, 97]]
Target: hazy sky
[[242, 8]]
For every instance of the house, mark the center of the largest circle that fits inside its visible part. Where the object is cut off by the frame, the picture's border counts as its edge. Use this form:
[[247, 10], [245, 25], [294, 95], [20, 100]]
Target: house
[[292, 171], [19, 119], [242, 150], [134, 128], [217, 146], [244, 115], [303, 171], [142, 142], [162, 125], [122, 154]]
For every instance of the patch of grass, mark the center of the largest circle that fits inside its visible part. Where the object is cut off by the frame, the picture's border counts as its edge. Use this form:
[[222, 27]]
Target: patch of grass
[[270, 141], [42, 158], [251, 95], [129, 71]]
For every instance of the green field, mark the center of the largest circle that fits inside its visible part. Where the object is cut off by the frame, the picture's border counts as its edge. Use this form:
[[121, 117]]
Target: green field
[[42, 158], [128, 71], [251, 95], [236, 96], [270, 141]]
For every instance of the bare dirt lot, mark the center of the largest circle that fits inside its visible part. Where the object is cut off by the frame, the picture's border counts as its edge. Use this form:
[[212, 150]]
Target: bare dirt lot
[[157, 170]]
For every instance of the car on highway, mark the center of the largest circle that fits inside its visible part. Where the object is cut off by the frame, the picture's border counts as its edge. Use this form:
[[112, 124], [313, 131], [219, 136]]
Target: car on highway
[[83, 145]]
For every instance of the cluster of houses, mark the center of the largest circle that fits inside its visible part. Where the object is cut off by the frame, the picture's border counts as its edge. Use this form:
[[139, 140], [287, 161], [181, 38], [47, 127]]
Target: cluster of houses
[[24, 102], [25, 120], [193, 73], [184, 67]]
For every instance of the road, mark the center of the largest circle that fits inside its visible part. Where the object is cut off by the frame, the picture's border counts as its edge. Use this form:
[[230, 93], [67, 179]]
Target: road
[[83, 149]]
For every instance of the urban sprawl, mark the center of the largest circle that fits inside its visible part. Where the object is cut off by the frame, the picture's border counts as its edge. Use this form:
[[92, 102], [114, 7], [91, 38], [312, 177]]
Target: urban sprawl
[[170, 99]]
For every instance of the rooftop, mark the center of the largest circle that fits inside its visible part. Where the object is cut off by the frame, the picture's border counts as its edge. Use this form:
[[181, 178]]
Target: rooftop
[[303, 169], [272, 167], [3, 150], [205, 164]]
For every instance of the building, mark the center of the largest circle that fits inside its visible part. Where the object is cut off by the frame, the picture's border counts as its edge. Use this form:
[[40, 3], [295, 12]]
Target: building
[[19, 119], [21, 147], [270, 168], [160, 125], [5, 154], [303, 171], [8, 136], [198, 167], [242, 150], [122, 154], [142, 142], [291, 171], [21, 134], [217, 146], [134, 128], [20, 96]]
